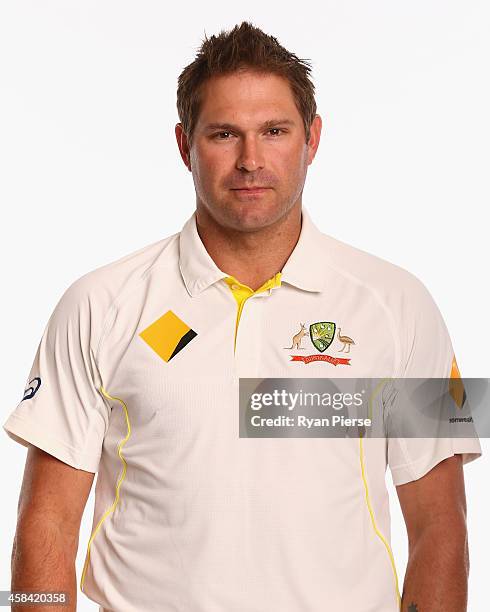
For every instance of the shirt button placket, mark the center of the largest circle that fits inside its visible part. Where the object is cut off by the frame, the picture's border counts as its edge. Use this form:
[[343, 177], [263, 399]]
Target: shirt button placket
[[247, 339]]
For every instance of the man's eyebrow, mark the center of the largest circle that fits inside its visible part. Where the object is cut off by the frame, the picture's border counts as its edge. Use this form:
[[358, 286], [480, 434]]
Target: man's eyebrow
[[270, 123]]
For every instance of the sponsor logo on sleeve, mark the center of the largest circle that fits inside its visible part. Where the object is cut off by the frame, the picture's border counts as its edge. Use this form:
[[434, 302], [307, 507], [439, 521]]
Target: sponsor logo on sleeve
[[32, 389], [456, 386]]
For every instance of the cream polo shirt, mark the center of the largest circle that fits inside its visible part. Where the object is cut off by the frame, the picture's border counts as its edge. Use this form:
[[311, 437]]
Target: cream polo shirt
[[136, 378]]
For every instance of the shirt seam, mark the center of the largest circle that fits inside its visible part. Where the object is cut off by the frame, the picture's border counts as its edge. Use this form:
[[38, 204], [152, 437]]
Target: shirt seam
[[394, 336], [124, 293]]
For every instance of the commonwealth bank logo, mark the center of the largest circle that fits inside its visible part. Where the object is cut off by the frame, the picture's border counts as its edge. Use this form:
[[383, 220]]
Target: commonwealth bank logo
[[456, 386], [168, 335]]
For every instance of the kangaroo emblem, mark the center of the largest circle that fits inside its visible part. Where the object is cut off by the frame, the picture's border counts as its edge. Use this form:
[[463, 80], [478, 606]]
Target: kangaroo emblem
[[296, 343]]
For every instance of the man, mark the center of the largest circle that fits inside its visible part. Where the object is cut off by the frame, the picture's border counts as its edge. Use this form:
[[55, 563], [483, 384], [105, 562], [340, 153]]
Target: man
[[136, 378]]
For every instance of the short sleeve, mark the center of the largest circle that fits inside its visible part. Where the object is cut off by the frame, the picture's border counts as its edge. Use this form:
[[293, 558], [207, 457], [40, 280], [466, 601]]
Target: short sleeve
[[62, 410], [426, 352]]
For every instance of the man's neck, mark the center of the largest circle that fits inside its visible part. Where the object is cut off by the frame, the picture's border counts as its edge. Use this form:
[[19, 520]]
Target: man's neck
[[251, 257]]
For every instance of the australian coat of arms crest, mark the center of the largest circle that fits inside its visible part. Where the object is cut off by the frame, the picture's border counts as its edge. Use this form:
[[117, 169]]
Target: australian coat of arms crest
[[322, 335]]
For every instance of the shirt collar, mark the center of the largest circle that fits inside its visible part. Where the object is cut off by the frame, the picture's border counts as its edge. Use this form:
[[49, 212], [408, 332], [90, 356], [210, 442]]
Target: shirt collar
[[303, 269]]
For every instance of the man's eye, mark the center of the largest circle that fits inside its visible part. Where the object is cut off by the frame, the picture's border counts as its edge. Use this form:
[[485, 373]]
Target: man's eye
[[277, 130], [220, 134]]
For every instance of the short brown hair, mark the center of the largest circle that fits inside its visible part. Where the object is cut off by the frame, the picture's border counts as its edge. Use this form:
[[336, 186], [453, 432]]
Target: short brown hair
[[244, 47]]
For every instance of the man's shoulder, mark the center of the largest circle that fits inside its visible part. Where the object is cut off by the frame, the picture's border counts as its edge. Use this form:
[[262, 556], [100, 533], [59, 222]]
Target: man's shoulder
[[101, 288], [388, 280], [133, 266]]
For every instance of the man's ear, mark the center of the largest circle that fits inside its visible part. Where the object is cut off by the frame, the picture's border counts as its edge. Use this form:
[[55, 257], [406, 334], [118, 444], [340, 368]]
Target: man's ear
[[183, 145], [315, 132]]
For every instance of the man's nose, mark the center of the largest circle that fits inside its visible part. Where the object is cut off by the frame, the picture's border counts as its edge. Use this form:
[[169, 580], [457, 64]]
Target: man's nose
[[250, 157]]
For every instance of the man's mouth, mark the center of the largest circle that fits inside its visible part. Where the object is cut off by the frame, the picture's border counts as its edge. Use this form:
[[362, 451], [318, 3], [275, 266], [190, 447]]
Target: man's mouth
[[251, 189]]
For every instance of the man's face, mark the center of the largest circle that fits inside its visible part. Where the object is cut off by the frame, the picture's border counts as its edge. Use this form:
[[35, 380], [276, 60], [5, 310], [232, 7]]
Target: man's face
[[249, 134]]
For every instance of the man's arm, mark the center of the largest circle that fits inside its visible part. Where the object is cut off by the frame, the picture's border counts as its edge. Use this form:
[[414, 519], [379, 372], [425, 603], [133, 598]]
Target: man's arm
[[51, 504], [434, 508]]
